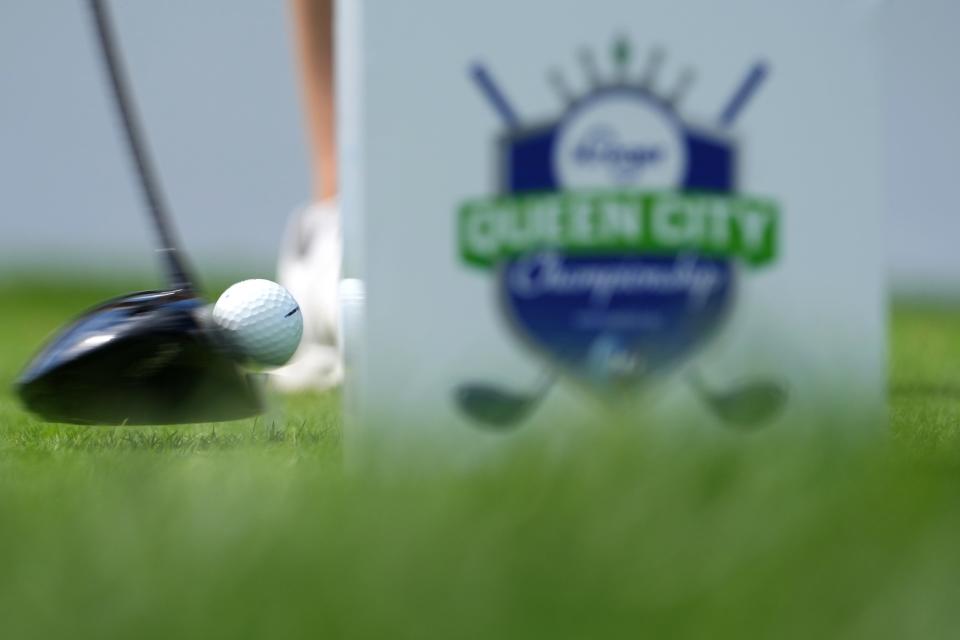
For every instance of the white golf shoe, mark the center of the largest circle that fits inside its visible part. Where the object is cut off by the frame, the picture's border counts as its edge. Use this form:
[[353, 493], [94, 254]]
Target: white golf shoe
[[309, 267]]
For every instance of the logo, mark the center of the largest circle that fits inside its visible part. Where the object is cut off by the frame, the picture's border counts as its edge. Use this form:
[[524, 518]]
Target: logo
[[619, 231], [600, 151], [619, 141]]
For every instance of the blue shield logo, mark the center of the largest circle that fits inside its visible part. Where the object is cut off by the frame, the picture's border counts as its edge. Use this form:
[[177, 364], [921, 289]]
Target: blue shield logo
[[614, 319]]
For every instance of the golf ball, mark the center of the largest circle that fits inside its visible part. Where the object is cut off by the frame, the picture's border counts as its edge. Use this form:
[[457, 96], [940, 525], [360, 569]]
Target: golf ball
[[261, 320]]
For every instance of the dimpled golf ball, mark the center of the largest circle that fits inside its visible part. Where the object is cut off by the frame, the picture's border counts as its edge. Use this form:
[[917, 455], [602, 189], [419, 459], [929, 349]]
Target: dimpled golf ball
[[261, 320]]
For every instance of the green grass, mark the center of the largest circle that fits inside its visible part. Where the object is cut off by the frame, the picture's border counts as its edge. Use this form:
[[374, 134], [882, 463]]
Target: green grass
[[255, 529]]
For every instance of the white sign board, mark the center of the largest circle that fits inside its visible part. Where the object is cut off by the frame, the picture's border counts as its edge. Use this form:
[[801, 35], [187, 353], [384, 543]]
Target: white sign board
[[671, 207]]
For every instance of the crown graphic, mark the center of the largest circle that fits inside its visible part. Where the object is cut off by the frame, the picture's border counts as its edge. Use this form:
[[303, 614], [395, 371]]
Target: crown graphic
[[647, 81]]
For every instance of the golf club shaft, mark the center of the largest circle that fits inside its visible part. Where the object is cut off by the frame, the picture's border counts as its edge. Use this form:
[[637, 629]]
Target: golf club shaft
[[177, 272]]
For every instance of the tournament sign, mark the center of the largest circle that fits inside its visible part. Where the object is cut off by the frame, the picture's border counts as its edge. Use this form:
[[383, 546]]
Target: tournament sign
[[542, 229]]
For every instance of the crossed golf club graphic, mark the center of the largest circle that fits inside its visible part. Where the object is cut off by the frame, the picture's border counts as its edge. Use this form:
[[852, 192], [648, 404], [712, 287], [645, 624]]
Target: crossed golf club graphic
[[744, 406]]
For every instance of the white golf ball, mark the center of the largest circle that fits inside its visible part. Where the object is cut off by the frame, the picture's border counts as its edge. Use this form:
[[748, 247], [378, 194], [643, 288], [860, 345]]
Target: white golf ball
[[261, 320]]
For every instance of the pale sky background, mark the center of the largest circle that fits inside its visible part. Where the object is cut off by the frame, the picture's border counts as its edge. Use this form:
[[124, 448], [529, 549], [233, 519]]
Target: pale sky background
[[215, 84], [214, 81]]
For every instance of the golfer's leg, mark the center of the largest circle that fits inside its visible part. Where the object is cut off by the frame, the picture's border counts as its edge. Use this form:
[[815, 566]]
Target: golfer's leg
[[309, 264], [313, 30]]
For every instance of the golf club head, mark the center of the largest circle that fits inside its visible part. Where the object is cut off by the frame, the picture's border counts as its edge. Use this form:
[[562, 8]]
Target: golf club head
[[751, 406], [493, 406], [144, 358]]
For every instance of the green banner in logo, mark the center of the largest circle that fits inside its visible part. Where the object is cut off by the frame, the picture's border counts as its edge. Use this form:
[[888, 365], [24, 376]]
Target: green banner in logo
[[619, 222]]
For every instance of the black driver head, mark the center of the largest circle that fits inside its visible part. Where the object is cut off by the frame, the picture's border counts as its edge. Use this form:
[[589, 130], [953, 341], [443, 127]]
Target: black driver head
[[144, 358]]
